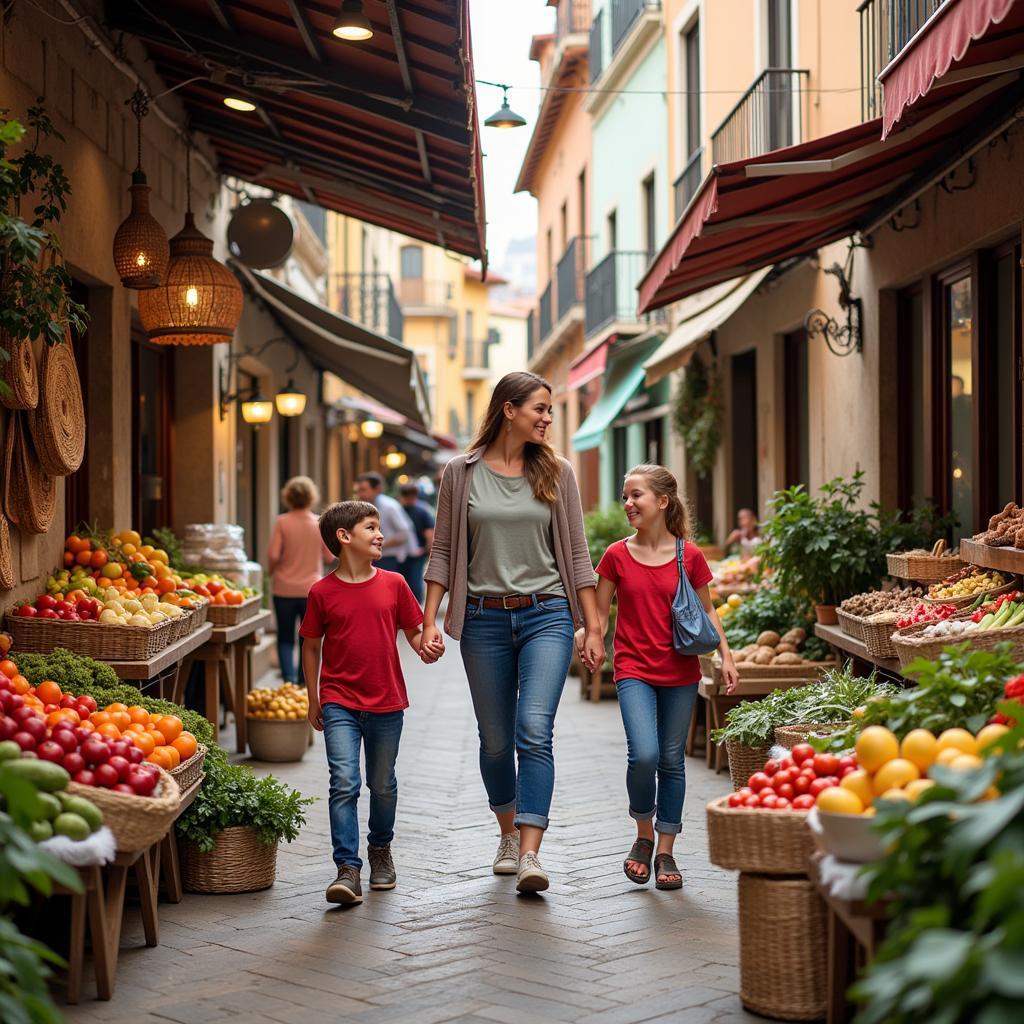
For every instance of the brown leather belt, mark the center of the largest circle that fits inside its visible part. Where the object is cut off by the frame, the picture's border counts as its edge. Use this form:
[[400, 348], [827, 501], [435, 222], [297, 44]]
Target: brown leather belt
[[510, 602]]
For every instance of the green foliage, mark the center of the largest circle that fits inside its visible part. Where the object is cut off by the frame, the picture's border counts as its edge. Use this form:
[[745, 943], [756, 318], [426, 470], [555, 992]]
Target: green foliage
[[833, 699], [165, 538], [24, 970], [954, 874], [919, 528], [232, 795], [698, 417], [604, 526], [959, 688], [767, 608], [35, 285]]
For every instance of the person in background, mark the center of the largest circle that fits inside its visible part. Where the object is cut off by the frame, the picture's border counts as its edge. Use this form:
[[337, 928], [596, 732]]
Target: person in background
[[423, 522], [295, 561], [747, 533], [399, 533]]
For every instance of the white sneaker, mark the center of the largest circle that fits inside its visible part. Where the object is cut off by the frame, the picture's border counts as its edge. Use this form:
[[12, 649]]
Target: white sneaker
[[506, 860], [531, 876]]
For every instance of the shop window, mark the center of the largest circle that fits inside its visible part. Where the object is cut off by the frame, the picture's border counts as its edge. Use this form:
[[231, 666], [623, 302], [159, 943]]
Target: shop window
[[796, 409], [412, 262], [914, 485], [649, 215], [654, 441], [743, 434], [957, 341], [152, 433]]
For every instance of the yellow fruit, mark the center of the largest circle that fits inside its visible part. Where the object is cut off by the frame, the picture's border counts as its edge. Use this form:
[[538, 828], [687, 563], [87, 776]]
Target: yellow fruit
[[959, 738], [895, 794], [836, 800], [987, 738], [948, 756], [876, 745], [859, 783], [917, 787], [920, 746], [735, 600], [894, 774], [966, 763], [869, 812]]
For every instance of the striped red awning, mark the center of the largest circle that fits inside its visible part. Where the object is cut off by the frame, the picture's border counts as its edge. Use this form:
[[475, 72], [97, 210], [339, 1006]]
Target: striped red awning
[[589, 365]]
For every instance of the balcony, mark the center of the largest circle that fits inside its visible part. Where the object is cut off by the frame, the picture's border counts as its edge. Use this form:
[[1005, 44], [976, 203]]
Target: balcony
[[770, 115], [624, 14], [478, 360], [686, 185], [570, 276], [886, 26], [370, 300], [611, 298], [420, 297], [596, 51], [634, 27], [531, 334], [573, 17], [544, 320]]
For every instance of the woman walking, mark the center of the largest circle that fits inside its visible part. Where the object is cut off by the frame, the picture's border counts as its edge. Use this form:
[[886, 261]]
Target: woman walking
[[656, 685], [295, 561], [510, 549]]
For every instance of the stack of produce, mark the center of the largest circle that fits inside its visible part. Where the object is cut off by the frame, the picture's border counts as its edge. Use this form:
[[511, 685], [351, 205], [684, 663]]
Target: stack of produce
[[899, 599], [1005, 529], [727, 607], [926, 613], [111, 607], [277, 723], [287, 703], [772, 649], [794, 781], [970, 581], [768, 611]]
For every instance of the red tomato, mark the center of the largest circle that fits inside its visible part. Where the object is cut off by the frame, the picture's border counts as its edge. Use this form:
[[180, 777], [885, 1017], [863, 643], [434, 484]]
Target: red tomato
[[26, 611], [752, 801], [808, 773], [735, 800], [783, 777], [804, 802], [826, 764], [802, 752], [782, 804], [770, 768], [847, 760], [846, 770], [786, 791], [769, 800], [89, 702], [787, 762], [758, 781], [802, 784], [818, 785]]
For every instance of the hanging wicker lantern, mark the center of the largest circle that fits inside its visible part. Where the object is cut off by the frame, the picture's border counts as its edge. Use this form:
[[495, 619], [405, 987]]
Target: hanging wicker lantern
[[199, 301], [141, 251]]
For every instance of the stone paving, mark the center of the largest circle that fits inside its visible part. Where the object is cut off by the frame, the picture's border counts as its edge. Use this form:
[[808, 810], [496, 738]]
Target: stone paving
[[453, 943]]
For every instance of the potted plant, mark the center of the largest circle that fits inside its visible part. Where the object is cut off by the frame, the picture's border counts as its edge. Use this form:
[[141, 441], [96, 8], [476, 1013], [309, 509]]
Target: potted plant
[[231, 831]]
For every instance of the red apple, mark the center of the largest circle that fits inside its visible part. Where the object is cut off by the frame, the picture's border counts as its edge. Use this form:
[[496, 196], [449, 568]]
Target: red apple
[[46, 601], [35, 727], [95, 751], [23, 713], [48, 613], [74, 762], [63, 607], [50, 751], [65, 739], [106, 775], [26, 611], [123, 787], [8, 727], [119, 748], [88, 701], [84, 778], [25, 740], [121, 765], [143, 783], [134, 755]]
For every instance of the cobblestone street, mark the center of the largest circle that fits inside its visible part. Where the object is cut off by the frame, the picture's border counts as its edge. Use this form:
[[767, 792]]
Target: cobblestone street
[[453, 942]]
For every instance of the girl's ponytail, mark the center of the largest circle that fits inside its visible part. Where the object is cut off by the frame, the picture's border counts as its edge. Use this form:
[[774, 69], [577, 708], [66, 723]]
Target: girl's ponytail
[[664, 485]]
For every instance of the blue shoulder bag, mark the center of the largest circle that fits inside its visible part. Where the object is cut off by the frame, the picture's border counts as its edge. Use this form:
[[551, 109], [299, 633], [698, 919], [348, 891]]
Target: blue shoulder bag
[[693, 632]]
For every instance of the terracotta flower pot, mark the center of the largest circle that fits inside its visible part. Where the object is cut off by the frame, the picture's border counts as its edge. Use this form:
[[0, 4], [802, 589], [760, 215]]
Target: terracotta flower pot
[[826, 614]]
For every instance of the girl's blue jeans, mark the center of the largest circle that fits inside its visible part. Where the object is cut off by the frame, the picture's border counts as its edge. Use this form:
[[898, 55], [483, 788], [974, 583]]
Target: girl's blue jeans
[[516, 662], [657, 719], [289, 612]]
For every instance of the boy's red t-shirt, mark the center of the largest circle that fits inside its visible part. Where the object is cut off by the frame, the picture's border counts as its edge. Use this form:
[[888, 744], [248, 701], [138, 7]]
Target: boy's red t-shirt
[[359, 665], [643, 626]]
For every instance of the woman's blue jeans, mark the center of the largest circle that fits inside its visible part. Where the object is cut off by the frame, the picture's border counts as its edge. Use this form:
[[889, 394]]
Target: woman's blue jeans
[[657, 719], [516, 662], [345, 731], [289, 612]]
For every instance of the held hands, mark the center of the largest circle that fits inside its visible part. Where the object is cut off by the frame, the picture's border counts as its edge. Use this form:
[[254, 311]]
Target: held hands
[[590, 648], [730, 673], [431, 645]]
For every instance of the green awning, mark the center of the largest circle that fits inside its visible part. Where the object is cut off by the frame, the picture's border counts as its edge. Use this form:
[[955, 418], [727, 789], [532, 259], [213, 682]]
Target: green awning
[[622, 380]]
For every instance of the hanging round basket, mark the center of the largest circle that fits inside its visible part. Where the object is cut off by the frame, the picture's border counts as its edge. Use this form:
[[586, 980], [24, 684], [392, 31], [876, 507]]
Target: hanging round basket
[[20, 374], [6, 556], [58, 425], [30, 494]]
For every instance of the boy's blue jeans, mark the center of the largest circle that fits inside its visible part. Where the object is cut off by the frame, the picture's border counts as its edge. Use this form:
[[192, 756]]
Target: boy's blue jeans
[[657, 719], [344, 732], [516, 663]]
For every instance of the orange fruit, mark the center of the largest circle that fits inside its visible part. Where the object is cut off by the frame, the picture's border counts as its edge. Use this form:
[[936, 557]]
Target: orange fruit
[[87, 726], [62, 714], [109, 729], [172, 753], [165, 586], [185, 745], [170, 726], [100, 717], [69, 559], [49, 692], [19, 684], [161, 757], [138, 714], [83, 557], [8, 668], [144, 741], [158, 737], [121, 719], [135, 727], [116, 706]]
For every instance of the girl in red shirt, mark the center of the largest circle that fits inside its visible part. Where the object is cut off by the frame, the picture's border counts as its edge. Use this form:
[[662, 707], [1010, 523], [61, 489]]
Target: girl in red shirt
[[656, 686]]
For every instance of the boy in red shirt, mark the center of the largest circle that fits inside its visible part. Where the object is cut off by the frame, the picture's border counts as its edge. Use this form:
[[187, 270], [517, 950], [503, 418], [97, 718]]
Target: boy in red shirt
[[357, 693]]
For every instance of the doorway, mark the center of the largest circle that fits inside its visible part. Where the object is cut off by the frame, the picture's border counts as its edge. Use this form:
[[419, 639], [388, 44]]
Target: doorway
[[743, 394]]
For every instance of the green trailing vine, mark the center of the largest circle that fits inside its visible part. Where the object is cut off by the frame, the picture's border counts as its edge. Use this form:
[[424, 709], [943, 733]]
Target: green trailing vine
[[698, 417]]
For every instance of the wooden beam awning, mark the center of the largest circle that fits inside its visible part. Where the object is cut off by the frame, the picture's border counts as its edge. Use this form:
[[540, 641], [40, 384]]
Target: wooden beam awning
[[385, 130]]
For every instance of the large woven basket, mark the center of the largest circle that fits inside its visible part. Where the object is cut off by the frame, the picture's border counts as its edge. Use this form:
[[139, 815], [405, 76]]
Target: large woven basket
[[789, 736], [58, 423], [783, 930], [198, 615], [922, 568], [239, 862], [877, 638], [89, 639], [30, 494], [233, 614], [851, 625], [20, 374], [909, 646], [750, 839], [136, 821], [7, 579], [744, 761], [189, 772], [963, 602], [808, 670]]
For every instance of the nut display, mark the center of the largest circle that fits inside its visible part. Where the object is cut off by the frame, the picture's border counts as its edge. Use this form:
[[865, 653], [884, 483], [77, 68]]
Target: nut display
[[1005, 529], [899, 599], [287, 703], [970, 580]]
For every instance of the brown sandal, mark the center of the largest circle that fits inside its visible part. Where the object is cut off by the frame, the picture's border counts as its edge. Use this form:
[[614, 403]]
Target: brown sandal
[[640, 853], [665, 864]]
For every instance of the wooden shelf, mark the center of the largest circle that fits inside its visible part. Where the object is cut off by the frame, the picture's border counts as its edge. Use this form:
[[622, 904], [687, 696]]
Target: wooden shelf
[[847, 644], [1003, 559]]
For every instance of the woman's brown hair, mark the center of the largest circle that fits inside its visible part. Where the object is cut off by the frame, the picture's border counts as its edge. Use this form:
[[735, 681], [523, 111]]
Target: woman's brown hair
[[540, 462], [663, 483]]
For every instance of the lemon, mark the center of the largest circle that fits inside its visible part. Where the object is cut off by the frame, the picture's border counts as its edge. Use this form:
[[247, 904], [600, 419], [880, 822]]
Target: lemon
[[917, 787], [988, 736], [895, 794], [920, 746], [948, 755], [876, 745], [859, 783], [735, 600], [836, 800], [894, 774], [959, 738], [966, 762]]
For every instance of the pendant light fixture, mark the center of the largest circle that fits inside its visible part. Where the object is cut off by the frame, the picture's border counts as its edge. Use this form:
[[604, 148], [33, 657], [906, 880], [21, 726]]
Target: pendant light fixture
[[141, 250], [371, 429], [505, 117], [257, 410], [200, 300], [289, 400], [352, 23]]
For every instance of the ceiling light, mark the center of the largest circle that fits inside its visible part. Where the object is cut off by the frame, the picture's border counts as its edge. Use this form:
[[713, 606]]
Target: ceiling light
[[352, 24], [505, 117], [237, 103]]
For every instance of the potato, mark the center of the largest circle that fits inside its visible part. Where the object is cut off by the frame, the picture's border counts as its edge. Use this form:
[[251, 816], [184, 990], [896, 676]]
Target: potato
[[784, 648], [795, 636], [764, 656], [769, 638], [787, 658]]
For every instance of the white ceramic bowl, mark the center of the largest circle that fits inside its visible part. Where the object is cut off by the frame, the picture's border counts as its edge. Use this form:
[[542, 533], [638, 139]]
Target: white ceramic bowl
[[847, 837]]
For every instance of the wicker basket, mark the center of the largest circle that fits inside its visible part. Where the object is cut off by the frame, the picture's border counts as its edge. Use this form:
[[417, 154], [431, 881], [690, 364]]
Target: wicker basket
[[180, 628], [89, 639], [199, 614], [189, 772], [851, 625], [749, 839], [136, 821], [877, 638], [809, 670], [30, 494], [58, 422], [239, 862], [277, 739], [789, 736], [744, 761], [233, 614], [783, 930], [923, 568], [909, 647], [963, 602], [7, 580], [20, 373]]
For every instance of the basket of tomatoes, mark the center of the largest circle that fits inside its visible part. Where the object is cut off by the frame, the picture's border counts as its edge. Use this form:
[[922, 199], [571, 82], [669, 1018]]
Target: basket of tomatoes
[[227, 605]]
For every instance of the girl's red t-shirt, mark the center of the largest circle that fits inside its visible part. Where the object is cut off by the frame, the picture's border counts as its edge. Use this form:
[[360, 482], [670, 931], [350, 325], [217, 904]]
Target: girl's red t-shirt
[[359, 622], [643, 626]]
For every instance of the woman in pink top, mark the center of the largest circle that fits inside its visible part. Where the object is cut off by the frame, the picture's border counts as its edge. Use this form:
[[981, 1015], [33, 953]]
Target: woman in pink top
[[295, 561]]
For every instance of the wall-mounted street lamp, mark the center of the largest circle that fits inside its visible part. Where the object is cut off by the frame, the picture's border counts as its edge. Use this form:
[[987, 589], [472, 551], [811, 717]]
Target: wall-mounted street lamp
[[842, 339], [255, 408], [372, 429]]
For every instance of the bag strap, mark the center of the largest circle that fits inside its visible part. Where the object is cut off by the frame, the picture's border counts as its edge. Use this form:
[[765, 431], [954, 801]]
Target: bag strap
[[679, 557]]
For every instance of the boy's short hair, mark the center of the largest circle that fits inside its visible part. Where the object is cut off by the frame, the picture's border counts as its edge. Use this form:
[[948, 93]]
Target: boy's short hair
[[372, 478], [343, 515]]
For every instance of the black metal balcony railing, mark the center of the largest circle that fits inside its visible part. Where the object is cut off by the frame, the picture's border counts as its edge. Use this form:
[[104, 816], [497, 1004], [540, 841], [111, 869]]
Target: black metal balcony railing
[[624, 13], [886, 26], [531, 334], [688, 182], [370, 300], [544, 320], [570, 275], [415, 291], [770, 115], [596, 56], [478, 354], [611, 292], [573, 16]]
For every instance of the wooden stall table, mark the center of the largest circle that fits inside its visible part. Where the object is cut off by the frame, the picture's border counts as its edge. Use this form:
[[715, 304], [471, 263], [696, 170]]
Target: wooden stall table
[[225, 657], [159, 672], [855, 931], [168, 866], [847, 647]]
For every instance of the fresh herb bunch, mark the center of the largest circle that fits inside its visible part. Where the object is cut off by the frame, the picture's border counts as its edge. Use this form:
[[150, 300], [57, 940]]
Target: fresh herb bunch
[[960, 687], [832, 699], [954, 875], [698, 416], [231, 795], [604, 526]]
